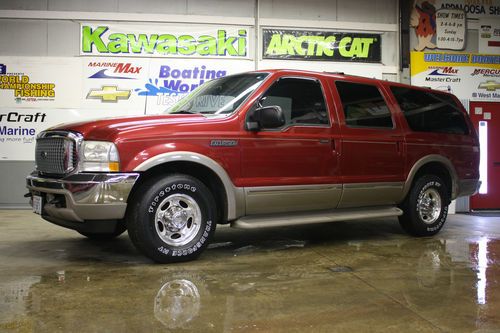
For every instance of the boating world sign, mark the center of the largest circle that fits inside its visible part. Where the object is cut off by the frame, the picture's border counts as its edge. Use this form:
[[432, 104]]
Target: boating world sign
[[164, 41], [321, 45]]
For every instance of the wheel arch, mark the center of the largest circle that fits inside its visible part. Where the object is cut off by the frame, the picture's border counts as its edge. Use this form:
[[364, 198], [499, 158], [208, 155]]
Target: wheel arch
[[433, 165], [208, 171]]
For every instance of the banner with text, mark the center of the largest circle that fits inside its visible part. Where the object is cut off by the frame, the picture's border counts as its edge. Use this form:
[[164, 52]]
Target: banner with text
[[165, 40], [321, 45], [467, 75], [39, 82], [19, 127], [38, 93], [169, 80], [472, 9]]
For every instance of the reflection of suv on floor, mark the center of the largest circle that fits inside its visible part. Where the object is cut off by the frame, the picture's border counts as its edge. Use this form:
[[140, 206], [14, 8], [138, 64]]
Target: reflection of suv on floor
[[269, 148]]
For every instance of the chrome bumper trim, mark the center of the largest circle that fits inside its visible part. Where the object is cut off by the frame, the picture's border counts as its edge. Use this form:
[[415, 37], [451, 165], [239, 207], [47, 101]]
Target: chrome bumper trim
[[88, 196]]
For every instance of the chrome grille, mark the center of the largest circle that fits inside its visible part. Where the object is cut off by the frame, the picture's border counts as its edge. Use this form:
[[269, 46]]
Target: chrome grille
[[55, 154]]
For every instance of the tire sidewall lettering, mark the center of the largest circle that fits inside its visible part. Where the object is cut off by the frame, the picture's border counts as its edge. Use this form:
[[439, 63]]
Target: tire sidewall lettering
[[206, 228], [439, 223], [444, 209], [166, 190], [193, 218], [196, 246]]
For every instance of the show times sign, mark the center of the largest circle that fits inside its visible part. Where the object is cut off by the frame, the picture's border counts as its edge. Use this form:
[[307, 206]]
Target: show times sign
[[164, 40], [321, 45], [467, 75]]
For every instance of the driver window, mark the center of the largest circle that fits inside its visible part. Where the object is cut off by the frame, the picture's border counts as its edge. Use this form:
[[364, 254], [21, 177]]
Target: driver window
[[301, 100]]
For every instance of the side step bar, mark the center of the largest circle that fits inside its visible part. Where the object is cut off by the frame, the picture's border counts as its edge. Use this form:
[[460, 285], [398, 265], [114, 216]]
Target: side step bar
[[300, 218]]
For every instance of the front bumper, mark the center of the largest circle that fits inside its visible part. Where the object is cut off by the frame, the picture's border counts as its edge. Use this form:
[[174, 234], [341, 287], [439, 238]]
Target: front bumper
[[83, 196]]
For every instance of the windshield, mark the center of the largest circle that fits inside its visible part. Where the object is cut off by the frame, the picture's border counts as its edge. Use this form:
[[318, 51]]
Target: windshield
[[220, 96]]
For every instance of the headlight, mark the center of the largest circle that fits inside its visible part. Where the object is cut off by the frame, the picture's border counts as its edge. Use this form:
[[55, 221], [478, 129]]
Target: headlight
[[99, 156]]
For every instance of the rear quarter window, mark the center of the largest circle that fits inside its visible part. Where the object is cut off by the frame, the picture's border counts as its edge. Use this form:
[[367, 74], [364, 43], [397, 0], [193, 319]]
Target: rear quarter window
[[427, 111]]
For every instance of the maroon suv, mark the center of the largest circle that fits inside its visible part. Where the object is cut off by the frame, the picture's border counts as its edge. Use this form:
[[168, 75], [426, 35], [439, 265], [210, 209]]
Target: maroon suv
[[259, 149]]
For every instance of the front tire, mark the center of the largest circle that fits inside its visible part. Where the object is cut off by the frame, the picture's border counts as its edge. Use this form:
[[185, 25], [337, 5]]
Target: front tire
[[172, 218], [426, 207]]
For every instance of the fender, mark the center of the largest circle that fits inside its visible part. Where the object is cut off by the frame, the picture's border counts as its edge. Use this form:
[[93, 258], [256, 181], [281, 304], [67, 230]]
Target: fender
[[429, 159], [235, 196]]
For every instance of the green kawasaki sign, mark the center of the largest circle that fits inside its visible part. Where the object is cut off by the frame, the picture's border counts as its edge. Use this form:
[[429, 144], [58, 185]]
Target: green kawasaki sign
[[321, 45], [133, 40]]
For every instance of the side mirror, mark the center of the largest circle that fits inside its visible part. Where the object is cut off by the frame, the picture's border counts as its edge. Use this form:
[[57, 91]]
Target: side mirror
[[266, 117]]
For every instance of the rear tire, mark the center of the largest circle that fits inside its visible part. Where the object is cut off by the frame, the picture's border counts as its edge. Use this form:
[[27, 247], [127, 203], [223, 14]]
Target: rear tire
[[172, 218], [426, 207]]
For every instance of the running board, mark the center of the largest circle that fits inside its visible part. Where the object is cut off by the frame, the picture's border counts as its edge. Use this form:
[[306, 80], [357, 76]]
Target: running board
[[300, 218]]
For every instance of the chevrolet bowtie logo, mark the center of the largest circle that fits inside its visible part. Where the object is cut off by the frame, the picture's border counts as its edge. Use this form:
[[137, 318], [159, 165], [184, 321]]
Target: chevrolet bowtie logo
[[489, 85], [108, 94]]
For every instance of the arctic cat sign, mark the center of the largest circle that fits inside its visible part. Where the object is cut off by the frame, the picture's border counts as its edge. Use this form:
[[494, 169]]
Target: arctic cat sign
[[321, 45], [164, 41]]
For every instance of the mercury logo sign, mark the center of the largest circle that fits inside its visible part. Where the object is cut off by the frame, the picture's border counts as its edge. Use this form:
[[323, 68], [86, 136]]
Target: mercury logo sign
[[486, 72]]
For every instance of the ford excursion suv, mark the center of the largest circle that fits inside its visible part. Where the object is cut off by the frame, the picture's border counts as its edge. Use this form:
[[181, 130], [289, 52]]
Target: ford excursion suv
[[259, 149]]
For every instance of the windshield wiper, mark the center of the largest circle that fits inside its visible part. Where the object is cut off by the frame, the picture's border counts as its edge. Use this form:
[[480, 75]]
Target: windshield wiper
[[183, 112]]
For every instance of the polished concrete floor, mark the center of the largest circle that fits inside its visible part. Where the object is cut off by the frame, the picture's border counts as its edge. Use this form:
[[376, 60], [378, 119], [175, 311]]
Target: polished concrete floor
[[363, 276]]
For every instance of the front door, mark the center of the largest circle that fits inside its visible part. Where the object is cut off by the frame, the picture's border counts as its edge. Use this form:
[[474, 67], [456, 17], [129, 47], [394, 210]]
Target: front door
[[293, 168], [486, 119]]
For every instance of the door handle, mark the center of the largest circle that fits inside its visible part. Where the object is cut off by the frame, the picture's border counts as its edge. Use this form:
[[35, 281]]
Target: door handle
[[327, 141]]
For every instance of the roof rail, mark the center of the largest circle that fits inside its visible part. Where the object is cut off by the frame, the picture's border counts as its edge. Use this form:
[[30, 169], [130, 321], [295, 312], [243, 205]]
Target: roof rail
[[339, 73]]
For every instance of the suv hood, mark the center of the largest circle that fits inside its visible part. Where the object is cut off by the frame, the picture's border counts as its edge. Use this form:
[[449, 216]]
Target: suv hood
[[110, 128]]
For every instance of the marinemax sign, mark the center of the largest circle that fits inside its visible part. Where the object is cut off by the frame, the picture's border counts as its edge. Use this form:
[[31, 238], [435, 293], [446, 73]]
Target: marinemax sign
[[164, 40], [321, 45]]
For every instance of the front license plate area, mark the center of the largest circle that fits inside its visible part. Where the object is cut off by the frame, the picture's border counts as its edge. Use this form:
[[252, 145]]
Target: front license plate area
[[37, 204]]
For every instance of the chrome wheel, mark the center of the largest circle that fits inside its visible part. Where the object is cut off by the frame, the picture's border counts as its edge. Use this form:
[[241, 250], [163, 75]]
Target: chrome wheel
[[429, 206], [178, 219]]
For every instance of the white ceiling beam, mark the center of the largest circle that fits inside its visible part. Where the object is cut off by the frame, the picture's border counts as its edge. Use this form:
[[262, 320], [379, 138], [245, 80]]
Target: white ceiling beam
[[120, 17], [325, 25]]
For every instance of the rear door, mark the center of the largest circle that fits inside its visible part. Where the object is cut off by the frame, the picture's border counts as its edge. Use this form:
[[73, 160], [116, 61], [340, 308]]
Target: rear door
[[372, 156]]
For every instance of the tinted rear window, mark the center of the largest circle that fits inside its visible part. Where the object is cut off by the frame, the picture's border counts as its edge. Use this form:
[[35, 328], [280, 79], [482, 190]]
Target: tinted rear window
[[426, 111], [363, 105]]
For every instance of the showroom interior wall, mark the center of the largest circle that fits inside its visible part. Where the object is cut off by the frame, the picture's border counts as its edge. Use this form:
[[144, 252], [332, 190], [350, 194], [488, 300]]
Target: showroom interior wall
[[47, 35], [465, 60]]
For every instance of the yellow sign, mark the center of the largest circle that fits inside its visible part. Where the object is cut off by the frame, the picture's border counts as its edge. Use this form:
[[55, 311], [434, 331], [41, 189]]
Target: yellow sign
[[22, 87], [470, 76]]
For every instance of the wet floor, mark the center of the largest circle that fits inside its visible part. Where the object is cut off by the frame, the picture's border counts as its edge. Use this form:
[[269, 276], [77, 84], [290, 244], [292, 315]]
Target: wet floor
[[362, 276]]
